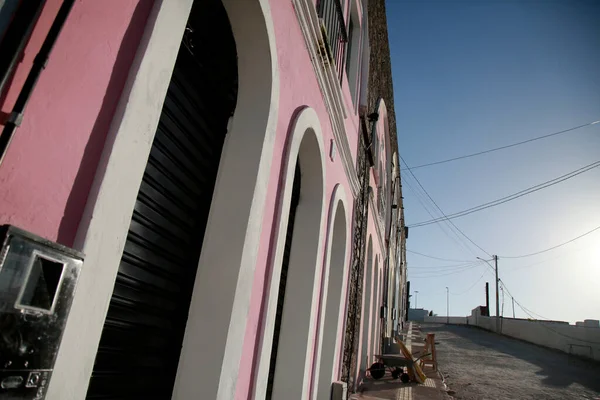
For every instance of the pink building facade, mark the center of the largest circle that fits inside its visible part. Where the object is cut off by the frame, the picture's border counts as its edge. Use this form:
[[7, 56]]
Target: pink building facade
[[202, 155]]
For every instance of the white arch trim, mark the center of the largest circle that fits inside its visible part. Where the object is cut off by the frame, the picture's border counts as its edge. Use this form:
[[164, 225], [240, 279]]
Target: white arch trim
[[105, 223], [338, 197], [306, 120], [365, 313], [308, 20], [389, 163]]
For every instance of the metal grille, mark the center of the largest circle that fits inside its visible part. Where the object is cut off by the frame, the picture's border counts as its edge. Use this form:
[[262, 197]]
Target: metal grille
[[332, 15]]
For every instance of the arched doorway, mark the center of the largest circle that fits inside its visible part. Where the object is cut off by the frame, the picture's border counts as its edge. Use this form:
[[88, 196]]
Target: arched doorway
[[333, 312], [366, 309], [141, 342], [289, 364]]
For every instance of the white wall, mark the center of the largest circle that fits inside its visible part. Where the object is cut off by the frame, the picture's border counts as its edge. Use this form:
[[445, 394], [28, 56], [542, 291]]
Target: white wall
[[578, 340], [443, 320]]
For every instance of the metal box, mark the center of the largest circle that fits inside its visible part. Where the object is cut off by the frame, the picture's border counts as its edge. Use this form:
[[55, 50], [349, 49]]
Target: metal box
[[37, 283]]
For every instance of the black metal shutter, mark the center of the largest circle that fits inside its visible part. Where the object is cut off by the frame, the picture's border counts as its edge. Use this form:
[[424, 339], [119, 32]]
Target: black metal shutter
[[143, 333]]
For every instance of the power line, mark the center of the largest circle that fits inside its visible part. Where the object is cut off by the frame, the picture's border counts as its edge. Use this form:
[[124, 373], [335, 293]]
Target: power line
[[520, 267], [502, 147], [541, 322], [421, 197], [452, 266], [511, 197], [433, 274], [438, 207], [435, 258], [421, 201], [554, 247], [470, 287], [433, 270]]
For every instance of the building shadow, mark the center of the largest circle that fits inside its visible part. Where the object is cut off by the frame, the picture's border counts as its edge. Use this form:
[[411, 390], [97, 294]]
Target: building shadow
[[84, 179]]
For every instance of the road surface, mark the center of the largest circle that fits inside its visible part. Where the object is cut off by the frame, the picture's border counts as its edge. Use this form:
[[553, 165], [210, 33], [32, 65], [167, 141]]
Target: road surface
[[482, 365]]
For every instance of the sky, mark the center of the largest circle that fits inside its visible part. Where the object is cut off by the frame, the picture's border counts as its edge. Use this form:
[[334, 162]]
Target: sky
[[473, 75]]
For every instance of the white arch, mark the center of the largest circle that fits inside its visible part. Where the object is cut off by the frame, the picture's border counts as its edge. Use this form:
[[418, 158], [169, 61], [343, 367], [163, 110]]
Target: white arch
[[385, 123], [212, 338], [223, 287], [377, 295], [333, 295], [373, 313], [296, 380], [363, 362]]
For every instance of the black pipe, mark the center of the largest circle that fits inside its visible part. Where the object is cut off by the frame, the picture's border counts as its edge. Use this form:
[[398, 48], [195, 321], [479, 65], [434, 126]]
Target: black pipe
[[407, 300], [39, 63], [487, 298], [16, 36]]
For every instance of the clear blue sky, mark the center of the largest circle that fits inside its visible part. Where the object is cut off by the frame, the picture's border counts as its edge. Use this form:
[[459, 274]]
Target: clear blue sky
[[472, 75]]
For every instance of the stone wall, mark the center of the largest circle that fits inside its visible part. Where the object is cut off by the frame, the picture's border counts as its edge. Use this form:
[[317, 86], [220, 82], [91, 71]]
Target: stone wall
[[379, 87]]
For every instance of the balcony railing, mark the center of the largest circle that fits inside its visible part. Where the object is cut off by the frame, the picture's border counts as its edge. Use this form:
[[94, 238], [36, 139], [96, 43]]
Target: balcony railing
[[332, 15]]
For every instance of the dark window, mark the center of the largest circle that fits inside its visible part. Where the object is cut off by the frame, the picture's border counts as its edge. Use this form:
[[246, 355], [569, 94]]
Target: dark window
[[349, 49]]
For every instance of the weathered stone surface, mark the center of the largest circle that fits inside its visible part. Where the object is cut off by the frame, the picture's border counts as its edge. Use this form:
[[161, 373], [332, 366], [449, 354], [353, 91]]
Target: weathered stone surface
[[379, 87]]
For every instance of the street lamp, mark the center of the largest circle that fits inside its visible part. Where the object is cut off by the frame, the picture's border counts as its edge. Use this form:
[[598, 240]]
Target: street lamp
[[497, 298], [447, 305], [416, 298]]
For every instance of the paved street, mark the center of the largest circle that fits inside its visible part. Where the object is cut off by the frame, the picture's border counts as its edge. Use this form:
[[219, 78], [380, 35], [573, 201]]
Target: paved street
[[482, 365]]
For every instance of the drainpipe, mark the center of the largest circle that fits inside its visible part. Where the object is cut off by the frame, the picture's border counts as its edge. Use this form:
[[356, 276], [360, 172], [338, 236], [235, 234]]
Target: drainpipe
[[16, 36], [39, 63]]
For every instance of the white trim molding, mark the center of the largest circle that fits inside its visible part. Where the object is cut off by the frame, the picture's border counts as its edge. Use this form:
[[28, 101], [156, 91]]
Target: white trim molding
[[330, 273], [329, 83], [306, 123]]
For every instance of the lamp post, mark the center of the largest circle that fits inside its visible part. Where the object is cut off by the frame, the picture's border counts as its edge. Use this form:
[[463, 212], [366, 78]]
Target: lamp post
[[447, 305], [416, 298], [497, 297]]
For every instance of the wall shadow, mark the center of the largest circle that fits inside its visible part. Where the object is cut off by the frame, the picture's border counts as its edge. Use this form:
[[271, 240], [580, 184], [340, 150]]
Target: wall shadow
[[559, 369], [84, 179]]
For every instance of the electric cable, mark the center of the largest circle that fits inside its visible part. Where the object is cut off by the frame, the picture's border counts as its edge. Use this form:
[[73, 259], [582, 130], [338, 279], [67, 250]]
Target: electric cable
[[442, 212], [430, 274], [511, 197], [435, 258], [450, 266], [470, 287], [420, 198], [554, 247], [502, 147], [541, 322], [420, 271]]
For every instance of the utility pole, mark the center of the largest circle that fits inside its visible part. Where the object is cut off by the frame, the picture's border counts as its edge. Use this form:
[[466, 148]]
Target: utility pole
[[497, 297], [447, 305], [513, 301]]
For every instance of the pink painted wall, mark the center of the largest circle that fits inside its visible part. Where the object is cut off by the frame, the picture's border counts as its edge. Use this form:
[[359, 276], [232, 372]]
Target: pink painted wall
[[298, 88], [49, 167]]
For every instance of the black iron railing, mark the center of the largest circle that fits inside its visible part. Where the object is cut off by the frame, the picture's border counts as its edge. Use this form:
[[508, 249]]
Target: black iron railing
[[332, 15]]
